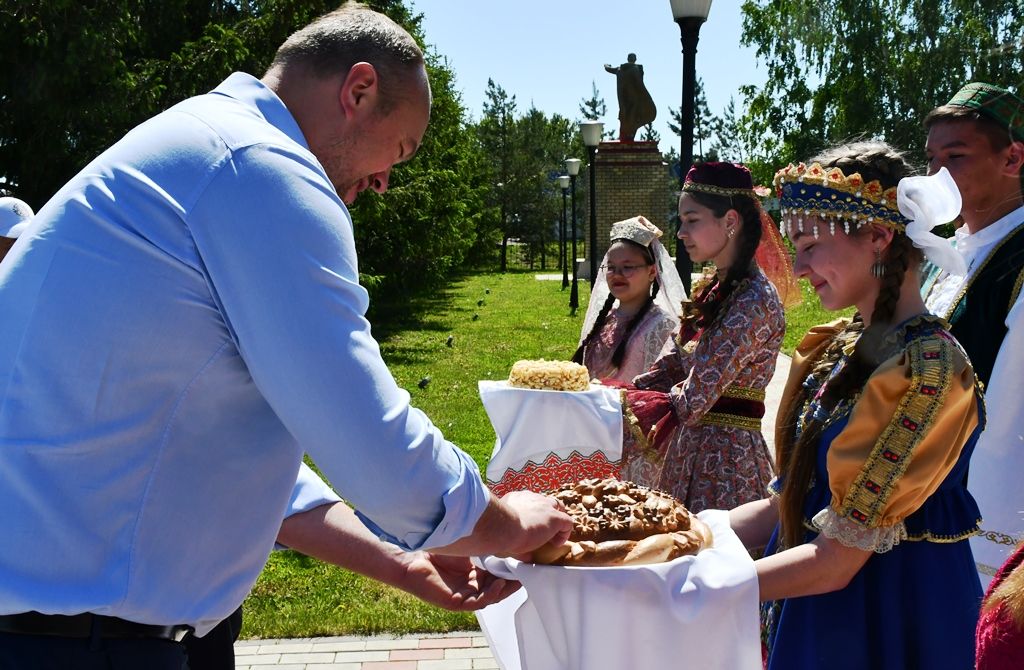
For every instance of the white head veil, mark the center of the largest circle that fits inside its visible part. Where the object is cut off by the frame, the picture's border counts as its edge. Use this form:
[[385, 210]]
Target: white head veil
[[670, 294]]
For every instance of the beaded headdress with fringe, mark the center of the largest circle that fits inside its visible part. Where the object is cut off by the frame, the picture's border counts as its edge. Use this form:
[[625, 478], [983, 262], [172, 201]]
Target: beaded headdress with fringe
[[813, 191]]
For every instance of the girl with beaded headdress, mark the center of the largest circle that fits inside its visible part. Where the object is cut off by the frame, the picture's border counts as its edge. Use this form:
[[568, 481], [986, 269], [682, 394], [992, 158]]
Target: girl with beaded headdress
[[633, 306], [694, 419], [867, 563]]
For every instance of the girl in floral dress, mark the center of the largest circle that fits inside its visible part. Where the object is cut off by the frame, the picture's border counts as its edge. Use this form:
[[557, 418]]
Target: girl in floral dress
[[694, 422], [867, 562], [633, 309]]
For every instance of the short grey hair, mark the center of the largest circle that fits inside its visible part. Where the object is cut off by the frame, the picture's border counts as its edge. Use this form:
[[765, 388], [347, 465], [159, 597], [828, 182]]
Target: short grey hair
[[351, 34]]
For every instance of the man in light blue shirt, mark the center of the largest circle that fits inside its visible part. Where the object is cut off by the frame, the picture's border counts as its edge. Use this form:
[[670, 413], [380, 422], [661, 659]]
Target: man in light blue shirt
[[181, 322]]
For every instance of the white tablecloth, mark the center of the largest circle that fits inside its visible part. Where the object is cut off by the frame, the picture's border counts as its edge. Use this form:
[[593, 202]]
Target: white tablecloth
[[549, 437], [696, 612]]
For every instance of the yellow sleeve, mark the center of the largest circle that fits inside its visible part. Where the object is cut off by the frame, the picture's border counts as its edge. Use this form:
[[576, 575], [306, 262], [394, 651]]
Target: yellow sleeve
[[904, 435]]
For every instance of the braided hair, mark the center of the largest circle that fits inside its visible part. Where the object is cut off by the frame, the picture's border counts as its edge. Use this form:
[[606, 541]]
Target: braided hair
[[795, 461], [701, 314], [602, 316]]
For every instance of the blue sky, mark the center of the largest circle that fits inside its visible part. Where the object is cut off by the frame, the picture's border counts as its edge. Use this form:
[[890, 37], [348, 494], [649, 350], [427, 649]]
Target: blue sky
[[548, 53]]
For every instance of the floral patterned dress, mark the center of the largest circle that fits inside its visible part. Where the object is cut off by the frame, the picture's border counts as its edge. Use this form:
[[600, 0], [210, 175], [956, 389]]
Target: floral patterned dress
[[645, 343], [714, 455]]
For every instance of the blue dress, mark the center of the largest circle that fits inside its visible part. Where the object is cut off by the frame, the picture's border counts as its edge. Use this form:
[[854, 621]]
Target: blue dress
[[912, 606]]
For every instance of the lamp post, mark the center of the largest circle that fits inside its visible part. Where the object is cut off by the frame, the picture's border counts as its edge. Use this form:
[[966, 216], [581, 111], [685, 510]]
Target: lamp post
[[563, 183], [690, 15], [591, 131], [572, 166]]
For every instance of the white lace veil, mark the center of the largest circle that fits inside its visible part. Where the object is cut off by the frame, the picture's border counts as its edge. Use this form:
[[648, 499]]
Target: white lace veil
[[670, 294]]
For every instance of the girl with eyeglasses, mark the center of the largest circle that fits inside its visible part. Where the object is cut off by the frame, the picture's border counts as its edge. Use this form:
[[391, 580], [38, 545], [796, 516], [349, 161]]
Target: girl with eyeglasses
[[633, 307]]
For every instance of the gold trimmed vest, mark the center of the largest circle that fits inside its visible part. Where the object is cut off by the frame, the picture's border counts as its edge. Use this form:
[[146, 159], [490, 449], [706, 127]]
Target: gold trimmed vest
[[977, 316]]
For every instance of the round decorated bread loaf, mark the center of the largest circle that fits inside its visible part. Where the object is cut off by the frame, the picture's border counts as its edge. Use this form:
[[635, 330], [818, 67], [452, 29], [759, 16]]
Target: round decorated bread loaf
[[618, 522]]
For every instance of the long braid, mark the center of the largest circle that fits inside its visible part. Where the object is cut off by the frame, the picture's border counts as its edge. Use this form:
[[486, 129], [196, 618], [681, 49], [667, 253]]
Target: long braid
[[620, 351], [602, 316], [702, 314], [797, 463]]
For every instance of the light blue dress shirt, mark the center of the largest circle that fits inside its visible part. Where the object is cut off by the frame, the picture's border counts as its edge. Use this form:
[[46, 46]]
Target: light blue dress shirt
[[179, 323]]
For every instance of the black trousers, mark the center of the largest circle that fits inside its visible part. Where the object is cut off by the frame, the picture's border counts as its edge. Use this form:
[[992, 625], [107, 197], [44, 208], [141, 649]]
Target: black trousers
[[216, 649], [47, 652]]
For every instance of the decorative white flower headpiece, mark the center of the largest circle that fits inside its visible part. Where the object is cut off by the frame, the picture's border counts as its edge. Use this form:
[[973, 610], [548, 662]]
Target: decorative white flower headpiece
[[928, 202]]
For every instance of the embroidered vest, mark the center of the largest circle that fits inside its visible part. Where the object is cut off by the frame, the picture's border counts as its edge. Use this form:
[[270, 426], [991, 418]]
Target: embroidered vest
[[978, 316]]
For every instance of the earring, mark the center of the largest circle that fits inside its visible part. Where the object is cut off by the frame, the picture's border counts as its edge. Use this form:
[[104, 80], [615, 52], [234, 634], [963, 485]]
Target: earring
[[878, 267], [732, 231]]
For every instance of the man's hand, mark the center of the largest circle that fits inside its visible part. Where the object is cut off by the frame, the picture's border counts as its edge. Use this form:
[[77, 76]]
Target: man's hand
[[453, 582], [538, 515], [515, 525]]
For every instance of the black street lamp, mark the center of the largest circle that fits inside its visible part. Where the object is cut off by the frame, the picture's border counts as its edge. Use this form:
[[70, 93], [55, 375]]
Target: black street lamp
[[591, 131], [690, 15], [563, 183], [572, 166]]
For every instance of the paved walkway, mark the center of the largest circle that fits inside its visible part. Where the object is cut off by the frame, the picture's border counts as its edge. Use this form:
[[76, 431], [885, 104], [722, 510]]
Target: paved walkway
[[455, 651]]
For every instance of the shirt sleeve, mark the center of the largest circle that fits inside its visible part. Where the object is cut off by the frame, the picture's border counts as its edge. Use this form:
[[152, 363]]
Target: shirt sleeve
[[904, 435], [310, 492], [1004, 429], [278, 252]]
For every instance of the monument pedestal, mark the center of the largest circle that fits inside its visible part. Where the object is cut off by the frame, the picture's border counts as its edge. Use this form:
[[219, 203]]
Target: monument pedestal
[[631, 180]]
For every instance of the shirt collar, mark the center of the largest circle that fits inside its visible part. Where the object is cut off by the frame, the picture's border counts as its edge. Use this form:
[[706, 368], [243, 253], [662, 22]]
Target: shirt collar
[[252, 92], [990, 234]]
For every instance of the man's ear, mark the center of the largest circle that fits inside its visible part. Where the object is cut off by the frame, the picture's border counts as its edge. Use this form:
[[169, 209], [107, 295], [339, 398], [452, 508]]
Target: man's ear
[[359, 91], [1015, 158]]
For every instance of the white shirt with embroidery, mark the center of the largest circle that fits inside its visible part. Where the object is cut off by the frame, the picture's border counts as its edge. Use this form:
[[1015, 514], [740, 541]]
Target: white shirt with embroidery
[[998, 460]]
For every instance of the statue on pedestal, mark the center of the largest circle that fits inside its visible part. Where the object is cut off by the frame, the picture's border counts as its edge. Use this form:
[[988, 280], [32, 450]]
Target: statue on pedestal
[[636, 108]]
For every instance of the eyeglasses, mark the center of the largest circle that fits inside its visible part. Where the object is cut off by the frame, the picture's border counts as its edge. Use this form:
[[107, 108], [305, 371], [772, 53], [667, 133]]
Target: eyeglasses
[[626, 271]]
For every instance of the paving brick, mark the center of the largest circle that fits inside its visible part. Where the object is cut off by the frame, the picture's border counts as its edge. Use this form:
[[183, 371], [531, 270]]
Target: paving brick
[[360, 656], [258, 659], [391, 665], [286, 648], [471, 652], [399, 643], [327, 657], [349, 645], [416, 654], [446, 664], [335, 666], [485, 664], [444, 642]]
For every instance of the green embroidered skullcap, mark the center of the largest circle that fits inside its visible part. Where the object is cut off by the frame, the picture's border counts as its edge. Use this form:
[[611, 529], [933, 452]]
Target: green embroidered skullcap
[[997, 103]]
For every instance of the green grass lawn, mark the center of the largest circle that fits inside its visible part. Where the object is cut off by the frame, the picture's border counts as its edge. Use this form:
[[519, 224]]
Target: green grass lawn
[[494, 320]]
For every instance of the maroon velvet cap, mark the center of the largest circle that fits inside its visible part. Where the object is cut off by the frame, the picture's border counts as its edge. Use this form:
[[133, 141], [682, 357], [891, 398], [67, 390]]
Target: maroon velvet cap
[[728, 176]]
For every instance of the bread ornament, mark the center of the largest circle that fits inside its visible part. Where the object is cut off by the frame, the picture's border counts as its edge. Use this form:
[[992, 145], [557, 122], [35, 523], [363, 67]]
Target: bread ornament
[[622, 523]]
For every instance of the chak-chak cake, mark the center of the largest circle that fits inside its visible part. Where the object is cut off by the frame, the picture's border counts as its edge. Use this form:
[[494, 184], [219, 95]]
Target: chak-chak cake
[[621, 523], [549, 375]]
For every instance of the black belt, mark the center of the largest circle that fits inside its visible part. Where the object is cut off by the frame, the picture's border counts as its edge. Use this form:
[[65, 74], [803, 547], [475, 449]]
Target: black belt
[[86, 625]]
